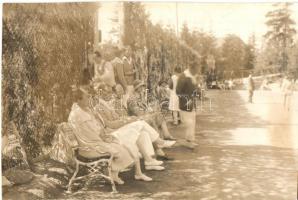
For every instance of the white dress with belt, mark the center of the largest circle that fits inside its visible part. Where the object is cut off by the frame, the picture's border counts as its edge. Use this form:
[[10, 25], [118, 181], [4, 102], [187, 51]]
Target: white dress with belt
[[174, 100]]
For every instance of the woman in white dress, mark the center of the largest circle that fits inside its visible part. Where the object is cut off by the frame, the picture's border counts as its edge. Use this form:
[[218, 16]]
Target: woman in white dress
[[174, 100]]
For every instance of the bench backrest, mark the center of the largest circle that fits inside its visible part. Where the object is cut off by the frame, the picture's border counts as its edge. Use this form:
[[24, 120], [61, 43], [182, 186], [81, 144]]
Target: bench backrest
[[67, 132], [66, 142]]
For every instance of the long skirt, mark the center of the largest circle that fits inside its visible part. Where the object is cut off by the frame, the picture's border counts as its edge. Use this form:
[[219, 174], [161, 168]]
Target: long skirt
[[174, 101]]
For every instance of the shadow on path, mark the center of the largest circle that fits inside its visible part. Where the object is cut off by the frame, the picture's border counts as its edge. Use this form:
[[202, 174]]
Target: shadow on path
[[219, 168]]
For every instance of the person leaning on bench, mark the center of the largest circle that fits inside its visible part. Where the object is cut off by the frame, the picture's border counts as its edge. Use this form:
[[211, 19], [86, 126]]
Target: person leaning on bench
[[124, 143], [111, 108]]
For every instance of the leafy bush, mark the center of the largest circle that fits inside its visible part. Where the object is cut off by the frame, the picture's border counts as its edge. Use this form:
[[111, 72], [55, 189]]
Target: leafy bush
[[44, 53]]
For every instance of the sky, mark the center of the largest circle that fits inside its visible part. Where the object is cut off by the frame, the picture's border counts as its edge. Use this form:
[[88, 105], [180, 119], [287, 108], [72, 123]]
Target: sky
[[242, 19]]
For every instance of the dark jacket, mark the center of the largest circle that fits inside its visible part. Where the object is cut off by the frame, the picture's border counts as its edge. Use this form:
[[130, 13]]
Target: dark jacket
[[186, 92]]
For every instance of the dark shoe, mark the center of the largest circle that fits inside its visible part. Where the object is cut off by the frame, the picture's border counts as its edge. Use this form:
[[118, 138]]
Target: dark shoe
[[164, 158], [191, 142], [170, 138]]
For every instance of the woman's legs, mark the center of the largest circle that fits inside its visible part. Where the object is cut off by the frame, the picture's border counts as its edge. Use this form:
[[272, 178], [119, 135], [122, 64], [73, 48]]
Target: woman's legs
[[165, 130], [115, 177], [145, 147], [138, 172], [153, 135], [145, 127], [175, 116]]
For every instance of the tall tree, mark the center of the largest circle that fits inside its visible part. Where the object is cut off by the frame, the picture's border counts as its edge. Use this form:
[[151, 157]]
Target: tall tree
[[135, 21], [233, 53], [186, 35], [250, 59], [280, 32]]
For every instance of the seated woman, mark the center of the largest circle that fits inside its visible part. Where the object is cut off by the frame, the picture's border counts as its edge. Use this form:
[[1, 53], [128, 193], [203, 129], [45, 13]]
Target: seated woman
[[124, 143], [111, 106], [137, 107], [115, 116]]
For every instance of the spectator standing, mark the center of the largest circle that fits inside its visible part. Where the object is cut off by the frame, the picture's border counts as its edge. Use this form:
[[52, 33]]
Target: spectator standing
[[119, 68], [287, 90], [129, 73], [250, 87], [104, 71], [174, 100], [186, 91]]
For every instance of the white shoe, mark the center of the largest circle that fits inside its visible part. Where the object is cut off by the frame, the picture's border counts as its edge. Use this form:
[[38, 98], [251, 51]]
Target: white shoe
[[167, 144], [159, 152], [143, 177], [153, 163], [156, 168], [118, 180]]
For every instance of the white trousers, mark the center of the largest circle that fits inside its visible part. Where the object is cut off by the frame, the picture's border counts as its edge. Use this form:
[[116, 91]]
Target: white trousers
[[189, 123], [137, 134]]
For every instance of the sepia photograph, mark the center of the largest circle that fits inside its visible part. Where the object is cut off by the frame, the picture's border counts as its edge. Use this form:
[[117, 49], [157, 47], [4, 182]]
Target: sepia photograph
[[141, 100]]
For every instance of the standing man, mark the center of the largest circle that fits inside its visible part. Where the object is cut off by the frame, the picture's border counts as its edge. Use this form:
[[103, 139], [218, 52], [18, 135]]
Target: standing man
[[118, 68], [287, 90], [250, 87], [129, 73], [186, 91], [128, 68]]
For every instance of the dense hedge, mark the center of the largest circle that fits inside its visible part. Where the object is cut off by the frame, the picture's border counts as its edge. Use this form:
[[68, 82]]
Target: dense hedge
[[44, 53]]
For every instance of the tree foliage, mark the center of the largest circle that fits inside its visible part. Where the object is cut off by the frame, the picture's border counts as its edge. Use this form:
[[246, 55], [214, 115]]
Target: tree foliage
[[233, 52], [164, 50], [280, 33]]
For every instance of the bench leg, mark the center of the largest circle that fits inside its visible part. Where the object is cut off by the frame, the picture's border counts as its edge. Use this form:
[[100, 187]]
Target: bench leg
[[114, 190], [73, 178]]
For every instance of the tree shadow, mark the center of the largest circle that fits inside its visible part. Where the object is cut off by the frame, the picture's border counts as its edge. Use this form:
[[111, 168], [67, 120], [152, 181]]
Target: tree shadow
[[217, 168]]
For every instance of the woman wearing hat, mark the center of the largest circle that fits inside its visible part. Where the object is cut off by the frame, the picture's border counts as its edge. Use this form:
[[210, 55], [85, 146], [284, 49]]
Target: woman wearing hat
[[124, 143], [136, 106]]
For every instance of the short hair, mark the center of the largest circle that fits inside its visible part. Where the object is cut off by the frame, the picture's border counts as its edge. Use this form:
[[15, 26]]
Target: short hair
[[97, 53], [119, 88], [177, 70], [162, 82]]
